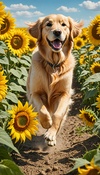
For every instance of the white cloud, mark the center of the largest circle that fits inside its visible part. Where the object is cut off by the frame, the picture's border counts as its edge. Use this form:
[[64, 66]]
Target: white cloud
[[66, 9], [27, 14], [19, 7], [90, 5]]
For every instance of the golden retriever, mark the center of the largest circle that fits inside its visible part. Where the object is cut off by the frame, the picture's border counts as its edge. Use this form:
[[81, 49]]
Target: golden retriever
[[49, 83]]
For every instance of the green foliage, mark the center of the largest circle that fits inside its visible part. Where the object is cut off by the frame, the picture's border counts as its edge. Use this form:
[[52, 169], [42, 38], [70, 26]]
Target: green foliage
[[89, 81], [6, 140], [8, 167], [16, 71], [87, 158]]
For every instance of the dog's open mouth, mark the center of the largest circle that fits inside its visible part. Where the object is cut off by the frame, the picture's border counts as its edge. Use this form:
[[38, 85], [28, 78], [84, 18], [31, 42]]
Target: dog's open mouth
[[56, 44]]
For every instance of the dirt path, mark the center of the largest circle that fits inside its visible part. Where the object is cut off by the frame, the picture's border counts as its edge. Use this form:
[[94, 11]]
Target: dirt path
[[36, 158]]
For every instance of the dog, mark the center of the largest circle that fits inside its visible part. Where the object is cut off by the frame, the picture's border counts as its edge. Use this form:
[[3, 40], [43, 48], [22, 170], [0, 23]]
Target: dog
[[49, 83]]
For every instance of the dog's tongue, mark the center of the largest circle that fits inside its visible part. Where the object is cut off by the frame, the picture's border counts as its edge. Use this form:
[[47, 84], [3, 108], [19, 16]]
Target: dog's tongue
[[56, 44]]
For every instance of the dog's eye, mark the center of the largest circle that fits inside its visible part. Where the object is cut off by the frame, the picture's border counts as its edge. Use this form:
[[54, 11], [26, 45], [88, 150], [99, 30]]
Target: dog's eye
[[49, 24], [63, 24]]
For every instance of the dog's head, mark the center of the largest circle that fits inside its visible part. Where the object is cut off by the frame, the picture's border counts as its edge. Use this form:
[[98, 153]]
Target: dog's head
[[55, 31]]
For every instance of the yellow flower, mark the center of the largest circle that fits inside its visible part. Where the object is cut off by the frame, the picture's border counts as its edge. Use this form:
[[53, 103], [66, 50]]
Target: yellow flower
[[7, 26], [82, 60], [84, 35], [32, 43], [95, 67], [2, 12], [32, 40], [88, 117], [98, 29], [3, 86], [98, 102], [93, 35], [78, 43], [18, 42], [23, 122], [91, 169]]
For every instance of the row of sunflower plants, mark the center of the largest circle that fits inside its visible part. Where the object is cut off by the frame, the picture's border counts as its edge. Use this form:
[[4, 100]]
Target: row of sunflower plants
[[18, 120], [87, 72]]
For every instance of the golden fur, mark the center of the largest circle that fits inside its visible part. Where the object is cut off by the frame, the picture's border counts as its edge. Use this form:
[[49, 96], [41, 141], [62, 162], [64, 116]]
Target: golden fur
[[49, 83]]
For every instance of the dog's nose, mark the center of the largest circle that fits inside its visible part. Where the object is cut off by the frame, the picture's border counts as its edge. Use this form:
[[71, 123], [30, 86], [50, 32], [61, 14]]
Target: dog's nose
[[57, 32]]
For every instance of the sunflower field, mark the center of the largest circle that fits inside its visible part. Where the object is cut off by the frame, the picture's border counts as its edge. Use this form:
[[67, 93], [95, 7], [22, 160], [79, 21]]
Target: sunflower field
[[18, 120]]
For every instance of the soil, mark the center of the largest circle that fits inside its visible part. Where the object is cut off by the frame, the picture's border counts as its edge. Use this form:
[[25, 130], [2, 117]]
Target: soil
[[36, 158]]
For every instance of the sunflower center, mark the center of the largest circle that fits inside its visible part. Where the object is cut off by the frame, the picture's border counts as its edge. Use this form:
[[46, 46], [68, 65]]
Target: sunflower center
[[94, 32], [5, 26], [31, 44], [97, 69], [88, 118], [21, 121], [93, 172], [16, 42], [79, 43], [84, 37]]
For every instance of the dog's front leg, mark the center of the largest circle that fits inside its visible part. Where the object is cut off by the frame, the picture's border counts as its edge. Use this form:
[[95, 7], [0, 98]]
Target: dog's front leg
[[61, 107], [43, 114]]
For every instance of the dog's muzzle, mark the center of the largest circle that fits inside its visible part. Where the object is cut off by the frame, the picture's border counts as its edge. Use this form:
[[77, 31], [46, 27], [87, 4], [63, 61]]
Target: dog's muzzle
[[56, 44]]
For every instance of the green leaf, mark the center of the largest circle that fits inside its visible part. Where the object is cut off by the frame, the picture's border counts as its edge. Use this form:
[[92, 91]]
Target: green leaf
[[4, 60], [14, 59], [84, 72], [79, 162], [4, 153], [11, 96], [2, 43], [3, 114], [24, 62], [2, 50], [93, 78], [8, 167], [16, 73], [15, 87], [24, 71], [97, 59], [90, 154], [96, 128], [6, 140], [97, 158], [22, 82], [90, 93], [4, 170], [28, 58]]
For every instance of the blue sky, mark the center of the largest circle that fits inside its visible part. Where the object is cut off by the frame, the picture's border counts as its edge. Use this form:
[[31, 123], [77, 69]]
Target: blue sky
[[31, 10]]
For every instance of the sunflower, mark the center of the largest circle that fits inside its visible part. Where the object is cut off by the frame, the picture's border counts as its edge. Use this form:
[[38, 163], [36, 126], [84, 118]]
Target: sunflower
[[92, 47], [32, 43], [7, 26], [32, 40], [23, 122], [95, 67], [91, 169], [82, 59], [3, 86], [2, 13], [88, 116], [98, 102], [78, 43], [93, 35], [98, 29], [18, 42], [84, 35]]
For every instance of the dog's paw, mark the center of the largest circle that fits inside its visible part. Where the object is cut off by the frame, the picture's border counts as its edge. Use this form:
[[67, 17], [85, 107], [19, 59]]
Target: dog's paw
[[45, 118], [50, 136]]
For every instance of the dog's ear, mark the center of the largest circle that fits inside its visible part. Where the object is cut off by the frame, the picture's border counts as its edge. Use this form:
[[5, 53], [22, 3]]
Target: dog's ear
[[35, 28], [75, 28]]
